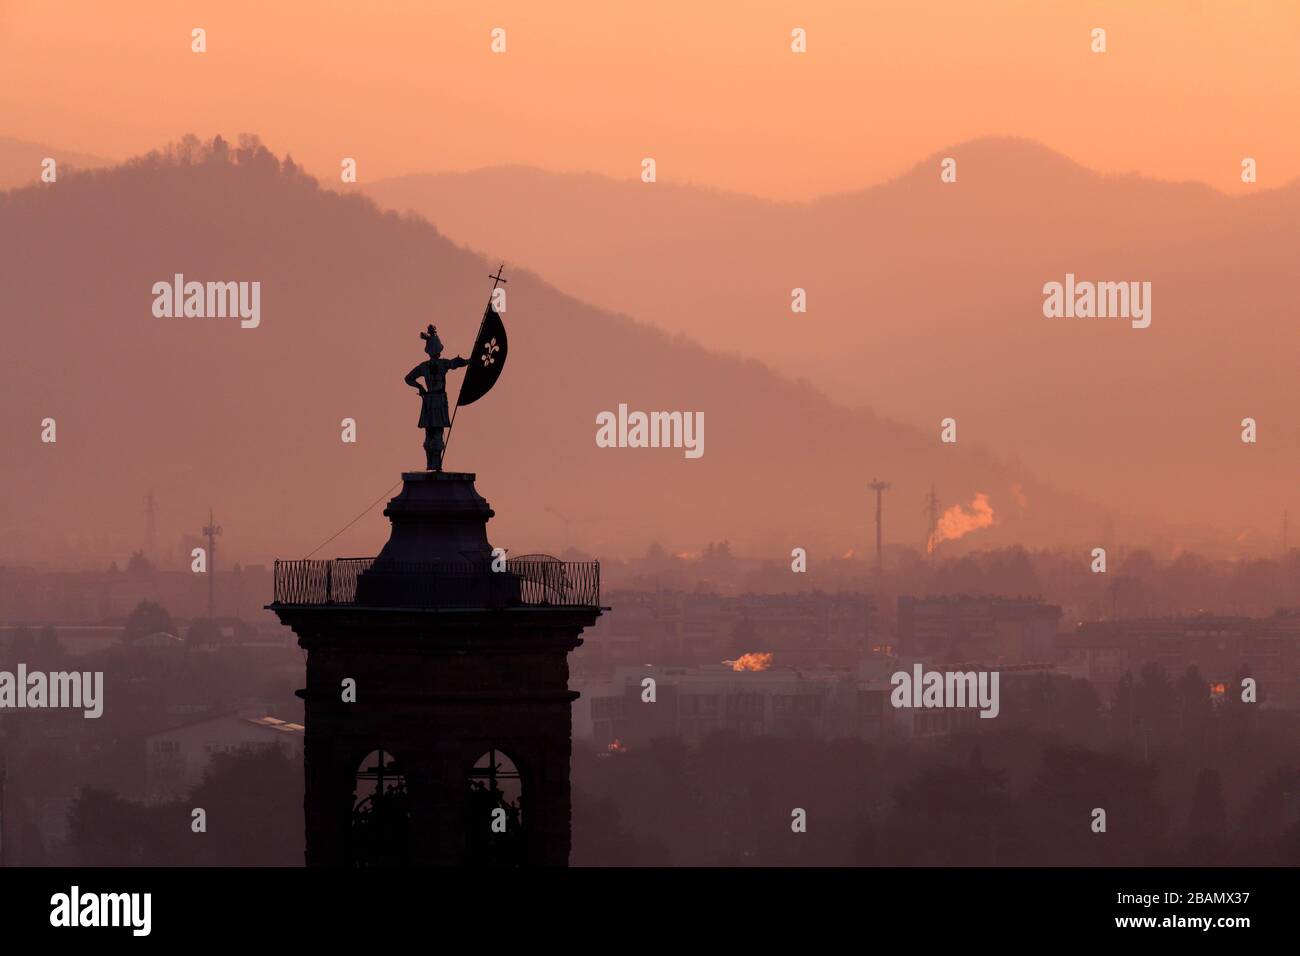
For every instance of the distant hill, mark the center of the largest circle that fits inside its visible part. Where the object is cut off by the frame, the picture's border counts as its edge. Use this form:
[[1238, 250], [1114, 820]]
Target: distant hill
[[20, 161], [204, 412], [925, 301]]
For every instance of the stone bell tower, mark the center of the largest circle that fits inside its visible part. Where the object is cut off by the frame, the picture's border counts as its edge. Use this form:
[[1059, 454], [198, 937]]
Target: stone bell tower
[[437, 702]]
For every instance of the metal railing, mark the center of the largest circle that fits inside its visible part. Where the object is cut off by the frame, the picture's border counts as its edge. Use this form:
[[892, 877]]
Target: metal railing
[[528, 581]]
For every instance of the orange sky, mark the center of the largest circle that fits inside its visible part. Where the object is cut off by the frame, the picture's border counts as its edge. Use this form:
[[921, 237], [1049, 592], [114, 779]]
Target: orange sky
[[710, 90]]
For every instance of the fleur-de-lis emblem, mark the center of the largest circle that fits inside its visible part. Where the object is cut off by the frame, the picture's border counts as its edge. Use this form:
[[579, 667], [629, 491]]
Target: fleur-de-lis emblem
[[489, 350]]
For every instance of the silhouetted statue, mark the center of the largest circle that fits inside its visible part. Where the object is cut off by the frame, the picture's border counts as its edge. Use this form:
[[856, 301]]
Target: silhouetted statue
[[434, 416], [509, 637]]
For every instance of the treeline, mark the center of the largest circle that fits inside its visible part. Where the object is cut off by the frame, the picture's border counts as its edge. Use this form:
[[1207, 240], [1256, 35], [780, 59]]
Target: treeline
[[1181, 781], [252, 816]]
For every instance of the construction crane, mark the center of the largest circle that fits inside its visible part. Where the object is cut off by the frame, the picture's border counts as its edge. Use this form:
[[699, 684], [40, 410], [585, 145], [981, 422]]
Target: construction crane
[[562, 517]]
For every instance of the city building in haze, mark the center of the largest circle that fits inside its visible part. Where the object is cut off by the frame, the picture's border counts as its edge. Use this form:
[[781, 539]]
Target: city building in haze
[[1222, 648], [176, 759], [993, 630], [809, 629]]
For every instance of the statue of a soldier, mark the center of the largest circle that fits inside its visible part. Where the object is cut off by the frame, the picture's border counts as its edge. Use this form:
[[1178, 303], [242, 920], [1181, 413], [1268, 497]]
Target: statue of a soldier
[[433, 410]]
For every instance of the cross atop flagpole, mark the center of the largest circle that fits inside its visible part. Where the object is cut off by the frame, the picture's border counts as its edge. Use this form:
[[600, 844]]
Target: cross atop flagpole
[[497, 278]]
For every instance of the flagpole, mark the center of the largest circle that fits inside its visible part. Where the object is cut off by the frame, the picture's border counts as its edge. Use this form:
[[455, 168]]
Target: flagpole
[[496, 279]]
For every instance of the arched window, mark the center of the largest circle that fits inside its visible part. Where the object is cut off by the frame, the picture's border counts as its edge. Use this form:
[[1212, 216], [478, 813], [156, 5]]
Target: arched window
[[493, 811], [381, 812]]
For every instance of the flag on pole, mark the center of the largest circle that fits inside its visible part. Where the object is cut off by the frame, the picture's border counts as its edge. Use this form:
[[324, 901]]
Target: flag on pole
[[487, 359]]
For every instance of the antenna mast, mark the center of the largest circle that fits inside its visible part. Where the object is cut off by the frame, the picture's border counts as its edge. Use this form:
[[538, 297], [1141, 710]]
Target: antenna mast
[[212, 530], [878, 487]]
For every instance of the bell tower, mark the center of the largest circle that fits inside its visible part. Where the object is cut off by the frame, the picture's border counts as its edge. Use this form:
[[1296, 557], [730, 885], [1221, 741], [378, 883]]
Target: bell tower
[[438, 726]]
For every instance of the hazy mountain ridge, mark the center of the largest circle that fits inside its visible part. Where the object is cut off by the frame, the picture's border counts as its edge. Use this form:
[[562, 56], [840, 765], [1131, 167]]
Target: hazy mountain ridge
[[20, 161], [203, 411], [925, 301]]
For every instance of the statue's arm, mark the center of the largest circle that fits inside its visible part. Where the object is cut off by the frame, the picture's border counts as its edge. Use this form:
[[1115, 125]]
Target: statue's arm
[[413, 378], [459, 362]]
